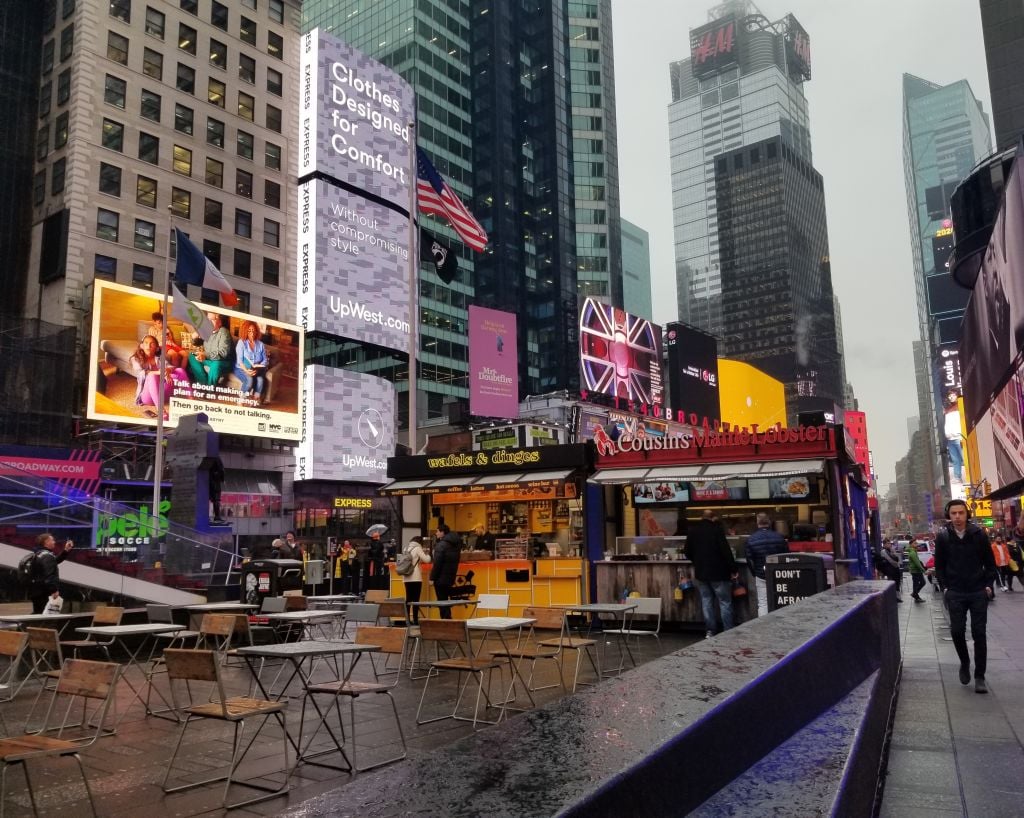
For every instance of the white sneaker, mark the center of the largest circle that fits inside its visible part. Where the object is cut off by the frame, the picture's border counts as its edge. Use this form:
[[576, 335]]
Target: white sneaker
[[709, 634]]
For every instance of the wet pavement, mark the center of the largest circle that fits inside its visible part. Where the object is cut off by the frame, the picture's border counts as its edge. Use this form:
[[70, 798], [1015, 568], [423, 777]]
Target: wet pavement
[[955, 752], [125, 771]]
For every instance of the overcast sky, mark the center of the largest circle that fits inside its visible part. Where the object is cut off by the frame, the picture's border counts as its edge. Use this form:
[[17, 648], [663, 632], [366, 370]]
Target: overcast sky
[[860, 50]]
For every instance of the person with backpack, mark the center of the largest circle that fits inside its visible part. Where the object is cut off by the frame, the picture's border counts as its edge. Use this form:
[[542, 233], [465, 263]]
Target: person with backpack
[[44, 576], [407, 566], [446, 565]]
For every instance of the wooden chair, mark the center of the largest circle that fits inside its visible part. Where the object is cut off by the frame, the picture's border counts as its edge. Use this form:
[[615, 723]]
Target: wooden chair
[[45, 663], [106, 615], [203, 666], [549, 626], [391, 641], [454, 634], [79, 679], [12, 648], [215, 632], [377, 595], [296, 603], [392, 610], [581, 645]]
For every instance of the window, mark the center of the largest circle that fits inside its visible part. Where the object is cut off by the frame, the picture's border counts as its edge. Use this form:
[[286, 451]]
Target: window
[[187, 39], [183, 119], [211, 249], [213, 214], [274, 118], [107, 224], [245, 144], [142, 276], [186, 79], [271, 233], [246, 107], [181, 203], [117, 48], [149, 148], [105, 267], [243, 224], [48, 49], [57, 176], [273, 156], [145, 236], [275, 45], [145, 191], [243, 300], [272, 194], [49, 15], [269, 307], [68, 8], [121, 10], [218, 54], [67, 42], [182, 161], [276, 11], [113, 91], [243, 183], [150, 107], [64, 86], [247, 31], [60, 131], [275, 82], [113, 135], [110, 179], [246, 68], [249, 4], [243, 264], [214, 172], [219, 15], [215, 132], [153, 64], [271, 271], [154, 23], [191, 6], [215, 92], [42, 142], [209, 296], [39, 188]]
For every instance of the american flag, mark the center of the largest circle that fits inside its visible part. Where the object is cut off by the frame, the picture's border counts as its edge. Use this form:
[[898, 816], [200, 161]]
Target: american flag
[[436, 197]]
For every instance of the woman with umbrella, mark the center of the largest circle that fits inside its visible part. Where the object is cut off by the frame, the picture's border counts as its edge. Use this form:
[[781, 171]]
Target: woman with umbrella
[[378, 576]]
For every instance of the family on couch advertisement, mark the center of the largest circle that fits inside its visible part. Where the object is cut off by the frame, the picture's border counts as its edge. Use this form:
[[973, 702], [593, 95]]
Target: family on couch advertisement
[[244, 374]]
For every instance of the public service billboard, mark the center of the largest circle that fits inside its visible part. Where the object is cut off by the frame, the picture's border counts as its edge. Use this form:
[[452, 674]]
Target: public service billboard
[[354, 119], [353, 267], [692, 371], [349, 426], [620, 354], [493, 363], [245, 377]]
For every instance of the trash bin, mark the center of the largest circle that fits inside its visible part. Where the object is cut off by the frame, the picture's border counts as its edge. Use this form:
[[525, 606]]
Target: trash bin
[[795, 576], [263, 578]]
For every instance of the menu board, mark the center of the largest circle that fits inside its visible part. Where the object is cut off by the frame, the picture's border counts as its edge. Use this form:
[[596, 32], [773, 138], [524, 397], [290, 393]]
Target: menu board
[[718, 489], [796, 487], [663, 492]]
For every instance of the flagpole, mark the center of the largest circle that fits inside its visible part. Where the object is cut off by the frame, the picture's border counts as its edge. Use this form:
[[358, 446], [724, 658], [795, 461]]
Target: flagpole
[[414, 296], [158, 459]]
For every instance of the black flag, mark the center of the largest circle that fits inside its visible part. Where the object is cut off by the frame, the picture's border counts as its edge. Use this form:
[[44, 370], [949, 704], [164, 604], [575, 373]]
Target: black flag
[[445, 261]]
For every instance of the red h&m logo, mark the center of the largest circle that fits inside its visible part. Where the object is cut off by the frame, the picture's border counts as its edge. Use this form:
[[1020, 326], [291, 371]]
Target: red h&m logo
[[714, 42]]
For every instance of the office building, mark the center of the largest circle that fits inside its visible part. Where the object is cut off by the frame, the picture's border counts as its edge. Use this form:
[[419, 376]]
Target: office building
[[533, 157], [752, 259], [1002, 25], [636, 270]]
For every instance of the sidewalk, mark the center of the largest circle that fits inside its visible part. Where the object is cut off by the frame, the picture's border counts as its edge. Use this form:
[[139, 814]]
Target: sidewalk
[[953, 751]]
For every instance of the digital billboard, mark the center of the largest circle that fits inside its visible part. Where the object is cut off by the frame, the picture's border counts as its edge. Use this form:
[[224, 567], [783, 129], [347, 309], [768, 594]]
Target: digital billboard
[[692, 371], [353, 267], [749, 396], [620, 353], [714, 46], [798, 49], [349, 426], [354, 118], [245, 377], [493, 363]]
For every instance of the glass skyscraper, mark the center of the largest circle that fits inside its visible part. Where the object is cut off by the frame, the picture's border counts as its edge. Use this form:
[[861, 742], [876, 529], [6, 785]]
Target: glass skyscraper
[[752, 259], [636, 270]]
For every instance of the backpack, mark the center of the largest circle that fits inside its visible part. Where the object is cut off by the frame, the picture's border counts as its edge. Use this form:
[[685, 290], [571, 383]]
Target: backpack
[[27, 570], [405, 564]]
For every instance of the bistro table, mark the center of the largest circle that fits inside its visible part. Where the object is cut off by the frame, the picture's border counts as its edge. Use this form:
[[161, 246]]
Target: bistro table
[[118, 634], [332, 600], [297, 654], [441, 604], [621, 612], [304, 619], [502, 625], [38, 620]]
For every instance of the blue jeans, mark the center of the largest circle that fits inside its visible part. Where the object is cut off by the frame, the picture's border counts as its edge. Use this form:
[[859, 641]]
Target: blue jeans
[[708, 592], [252, 383]]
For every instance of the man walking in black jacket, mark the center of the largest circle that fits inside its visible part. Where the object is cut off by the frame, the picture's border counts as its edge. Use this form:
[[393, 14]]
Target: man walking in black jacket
[[446, 565], [45, 577], [714, 568], [965, 567]]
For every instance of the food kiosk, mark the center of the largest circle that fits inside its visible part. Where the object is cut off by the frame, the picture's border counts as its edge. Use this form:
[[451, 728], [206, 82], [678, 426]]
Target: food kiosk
[[655, 486], [527, 499]]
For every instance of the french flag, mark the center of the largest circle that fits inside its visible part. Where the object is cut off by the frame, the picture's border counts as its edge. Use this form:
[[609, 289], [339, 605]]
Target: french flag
[[195, 268]]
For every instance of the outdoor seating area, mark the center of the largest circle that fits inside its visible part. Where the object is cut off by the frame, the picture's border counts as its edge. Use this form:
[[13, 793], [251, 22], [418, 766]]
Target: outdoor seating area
[[314, 695]]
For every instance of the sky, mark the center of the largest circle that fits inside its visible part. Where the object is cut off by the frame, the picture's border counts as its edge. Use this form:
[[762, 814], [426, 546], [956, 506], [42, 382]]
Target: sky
[[859, 53]]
